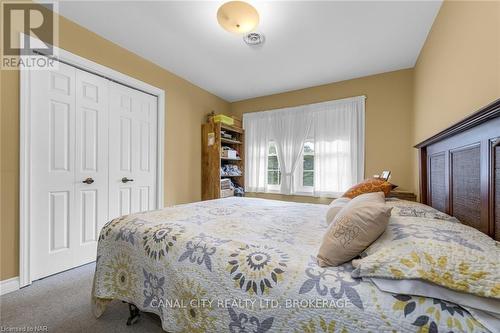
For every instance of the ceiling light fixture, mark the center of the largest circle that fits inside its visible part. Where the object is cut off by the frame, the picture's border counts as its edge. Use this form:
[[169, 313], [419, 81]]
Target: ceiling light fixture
[[237, 17]]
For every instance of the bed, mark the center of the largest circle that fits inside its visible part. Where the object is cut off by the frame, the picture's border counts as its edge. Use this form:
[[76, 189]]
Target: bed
[[258, 257], [249, 265]]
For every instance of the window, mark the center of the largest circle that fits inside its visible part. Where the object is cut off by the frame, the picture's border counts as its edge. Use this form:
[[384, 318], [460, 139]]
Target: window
[[273, 168], [333, 156], [304, 173], [308, 165]]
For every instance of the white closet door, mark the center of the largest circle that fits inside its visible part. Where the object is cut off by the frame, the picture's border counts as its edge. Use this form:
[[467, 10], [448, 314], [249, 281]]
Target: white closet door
[[132, 151], [91, 166], [68, 144]]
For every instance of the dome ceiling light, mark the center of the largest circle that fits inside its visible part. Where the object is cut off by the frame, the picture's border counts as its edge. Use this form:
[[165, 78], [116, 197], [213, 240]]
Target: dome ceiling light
[[237, 17]]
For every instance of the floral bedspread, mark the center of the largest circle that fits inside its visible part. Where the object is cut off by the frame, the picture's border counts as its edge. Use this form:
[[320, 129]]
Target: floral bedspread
[[248, 265], [448, 254]]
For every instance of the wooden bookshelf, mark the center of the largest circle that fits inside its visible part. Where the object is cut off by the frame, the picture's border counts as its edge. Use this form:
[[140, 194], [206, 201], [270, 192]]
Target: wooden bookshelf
[[212, 160]]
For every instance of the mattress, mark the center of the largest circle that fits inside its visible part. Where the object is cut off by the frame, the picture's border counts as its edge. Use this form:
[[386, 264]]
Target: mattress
[[248, 265]]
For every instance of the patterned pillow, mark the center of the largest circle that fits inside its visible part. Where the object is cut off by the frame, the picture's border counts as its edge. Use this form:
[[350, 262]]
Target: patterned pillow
[[446, 253], [354, 228], [367, 186]]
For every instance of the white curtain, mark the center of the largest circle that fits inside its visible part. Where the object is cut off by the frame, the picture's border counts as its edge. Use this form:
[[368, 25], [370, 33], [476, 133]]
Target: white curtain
[[338, 129], [256, 144], [289, 129], [339, 145]]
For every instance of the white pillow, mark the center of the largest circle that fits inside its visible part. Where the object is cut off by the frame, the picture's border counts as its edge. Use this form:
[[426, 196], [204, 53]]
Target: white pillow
[[483, 309]]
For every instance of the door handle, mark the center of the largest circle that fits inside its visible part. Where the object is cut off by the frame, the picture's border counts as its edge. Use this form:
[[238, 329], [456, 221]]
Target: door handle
[[126, 180], [88, 181]]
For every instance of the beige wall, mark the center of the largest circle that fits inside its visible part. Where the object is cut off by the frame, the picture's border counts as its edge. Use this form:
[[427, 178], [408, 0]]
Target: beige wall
[[388, 118], [458, 70], [186, 107]]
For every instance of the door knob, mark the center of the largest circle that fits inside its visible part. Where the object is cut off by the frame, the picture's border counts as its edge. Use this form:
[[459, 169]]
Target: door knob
[[88, 181], [126, 180]]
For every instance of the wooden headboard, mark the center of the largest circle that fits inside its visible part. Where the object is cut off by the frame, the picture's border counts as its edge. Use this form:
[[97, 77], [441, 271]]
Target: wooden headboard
[[460, 170]]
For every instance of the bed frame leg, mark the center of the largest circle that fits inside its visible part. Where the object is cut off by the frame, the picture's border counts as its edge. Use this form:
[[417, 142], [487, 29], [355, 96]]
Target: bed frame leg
[[134, 314]]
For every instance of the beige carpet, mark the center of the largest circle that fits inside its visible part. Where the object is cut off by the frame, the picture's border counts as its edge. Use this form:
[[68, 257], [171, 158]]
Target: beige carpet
[[62, 303]]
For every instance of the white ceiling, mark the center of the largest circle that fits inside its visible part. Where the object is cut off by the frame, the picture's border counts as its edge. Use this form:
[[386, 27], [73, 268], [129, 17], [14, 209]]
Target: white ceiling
[[308, 43]]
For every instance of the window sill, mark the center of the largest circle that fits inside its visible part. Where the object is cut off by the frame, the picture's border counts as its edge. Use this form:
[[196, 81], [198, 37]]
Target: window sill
[[304, 194], [290, 198]]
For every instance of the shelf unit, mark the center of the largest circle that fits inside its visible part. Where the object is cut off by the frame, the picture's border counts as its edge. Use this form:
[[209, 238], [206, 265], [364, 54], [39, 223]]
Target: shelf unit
[[212, 143]]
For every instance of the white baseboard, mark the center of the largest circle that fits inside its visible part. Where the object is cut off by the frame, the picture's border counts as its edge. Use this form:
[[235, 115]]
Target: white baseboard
[[9, 285]]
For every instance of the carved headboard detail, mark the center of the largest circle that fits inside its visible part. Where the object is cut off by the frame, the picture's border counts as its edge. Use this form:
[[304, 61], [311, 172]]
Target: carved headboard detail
[[459, 170]]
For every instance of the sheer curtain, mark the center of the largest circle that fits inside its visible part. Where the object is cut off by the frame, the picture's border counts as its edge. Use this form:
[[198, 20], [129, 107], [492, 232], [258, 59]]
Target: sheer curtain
[[257, 128], [338, 129], [339, 145], [289, 129]]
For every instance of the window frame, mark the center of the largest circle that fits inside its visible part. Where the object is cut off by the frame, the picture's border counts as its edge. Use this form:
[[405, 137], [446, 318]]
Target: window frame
[[273, 188], [299, 172]]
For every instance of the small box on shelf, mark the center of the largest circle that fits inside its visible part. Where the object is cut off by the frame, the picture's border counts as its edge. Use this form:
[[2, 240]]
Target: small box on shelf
[[229, 154], [227, 193], [225, 120]]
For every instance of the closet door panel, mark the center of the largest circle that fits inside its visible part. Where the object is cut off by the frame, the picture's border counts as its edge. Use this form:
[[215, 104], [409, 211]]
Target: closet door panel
[[69, 145], [52, 141], [132, 151], [125, 202], [91, 174], [126, 143]]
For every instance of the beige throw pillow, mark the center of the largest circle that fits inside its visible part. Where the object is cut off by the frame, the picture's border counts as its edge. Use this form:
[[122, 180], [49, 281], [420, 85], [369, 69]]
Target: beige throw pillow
[[354, 228], [334, 208], [336, 205]]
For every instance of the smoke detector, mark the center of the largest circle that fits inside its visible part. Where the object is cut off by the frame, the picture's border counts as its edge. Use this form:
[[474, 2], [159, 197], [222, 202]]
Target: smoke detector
[[254, 38]]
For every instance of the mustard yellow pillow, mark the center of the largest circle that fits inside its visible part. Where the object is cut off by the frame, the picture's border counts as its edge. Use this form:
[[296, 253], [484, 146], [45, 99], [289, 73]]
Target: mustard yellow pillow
[[367, 186]]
